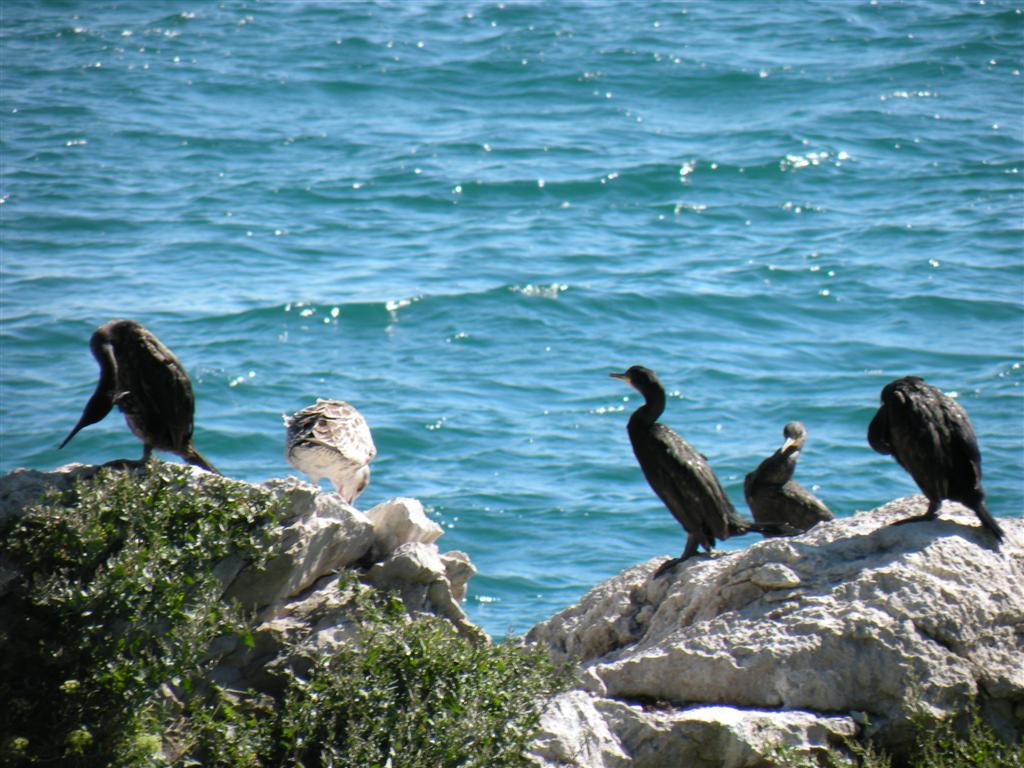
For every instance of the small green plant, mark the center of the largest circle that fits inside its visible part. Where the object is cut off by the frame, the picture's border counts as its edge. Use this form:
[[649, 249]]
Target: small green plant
[[854, 755], [937, 744], [415, 693], [941, 745]]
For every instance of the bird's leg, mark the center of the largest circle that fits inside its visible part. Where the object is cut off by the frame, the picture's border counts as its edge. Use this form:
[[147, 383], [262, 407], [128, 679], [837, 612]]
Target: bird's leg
[[688, 551], [125, 464], [132, 463], [929, 514]]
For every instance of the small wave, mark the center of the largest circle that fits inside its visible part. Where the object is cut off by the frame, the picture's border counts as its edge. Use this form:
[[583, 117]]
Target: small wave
[[552, 291]]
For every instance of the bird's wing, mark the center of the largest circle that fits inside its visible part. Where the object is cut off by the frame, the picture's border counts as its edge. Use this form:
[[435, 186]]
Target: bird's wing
[[338, 425], [750, 484], [158, 387], [689, 479], [809, 505], [965, 457], [920, 436], [878, 432]]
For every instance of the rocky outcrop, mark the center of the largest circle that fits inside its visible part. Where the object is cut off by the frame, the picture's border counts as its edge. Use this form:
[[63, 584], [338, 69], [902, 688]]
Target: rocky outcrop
[[793, 643], [296, 594], [789, 645]]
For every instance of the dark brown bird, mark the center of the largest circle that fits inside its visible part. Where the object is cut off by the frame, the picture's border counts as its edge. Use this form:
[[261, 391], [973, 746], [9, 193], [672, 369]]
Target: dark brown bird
[[680, 476], [774, 496], [148, 384], [929, 434]]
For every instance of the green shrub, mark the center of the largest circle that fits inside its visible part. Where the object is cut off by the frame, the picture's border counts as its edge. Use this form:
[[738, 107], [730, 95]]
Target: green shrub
[[104, 640], [416, 694], [940, 745], [116, 598]]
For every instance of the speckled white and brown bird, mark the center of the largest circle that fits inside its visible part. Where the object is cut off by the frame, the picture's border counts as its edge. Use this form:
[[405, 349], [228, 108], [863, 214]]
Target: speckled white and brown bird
[[332, 440]]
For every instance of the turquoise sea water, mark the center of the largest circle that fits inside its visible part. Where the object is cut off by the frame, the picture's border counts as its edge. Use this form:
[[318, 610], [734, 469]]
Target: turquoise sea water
[[461, 216]]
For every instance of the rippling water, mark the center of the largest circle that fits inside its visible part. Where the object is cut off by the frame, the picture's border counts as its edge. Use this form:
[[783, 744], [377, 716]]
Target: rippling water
[[462, 216]]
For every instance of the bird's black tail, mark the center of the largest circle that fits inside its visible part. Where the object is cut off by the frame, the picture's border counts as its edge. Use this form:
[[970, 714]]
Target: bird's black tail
[[988, 521], [192, 456]]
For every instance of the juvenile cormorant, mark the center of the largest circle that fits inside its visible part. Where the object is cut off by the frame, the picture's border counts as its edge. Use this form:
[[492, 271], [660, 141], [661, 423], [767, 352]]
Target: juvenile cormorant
[[150, 387], [929, 434], [774, 496], [681, 476], [331, 439]]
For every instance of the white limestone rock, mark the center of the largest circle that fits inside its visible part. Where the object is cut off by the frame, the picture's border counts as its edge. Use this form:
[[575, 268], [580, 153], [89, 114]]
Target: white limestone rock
[[610, 616], [852, 616], [417, 571], [400, 521], [574, 733], [458, 570], [321, 534], [584, 731], [22, 488], [719, 736]]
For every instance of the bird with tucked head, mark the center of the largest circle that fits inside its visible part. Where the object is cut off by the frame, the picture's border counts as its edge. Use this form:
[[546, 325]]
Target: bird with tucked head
[[331, 439], [148, 384], [930, 436]]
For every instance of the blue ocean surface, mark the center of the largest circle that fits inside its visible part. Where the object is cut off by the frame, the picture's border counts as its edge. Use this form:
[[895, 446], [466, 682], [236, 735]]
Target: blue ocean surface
[[462, 216]]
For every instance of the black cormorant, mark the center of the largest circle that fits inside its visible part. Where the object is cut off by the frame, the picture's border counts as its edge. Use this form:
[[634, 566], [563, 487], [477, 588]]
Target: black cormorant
[[774, 496], [681, 476], [148, 384], [331, 439], [929, 434]]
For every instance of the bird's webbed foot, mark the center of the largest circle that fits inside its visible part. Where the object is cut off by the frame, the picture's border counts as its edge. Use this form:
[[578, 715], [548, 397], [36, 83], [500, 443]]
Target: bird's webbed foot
[[125, 464], [929, 515], [668, 565], [688, 552]]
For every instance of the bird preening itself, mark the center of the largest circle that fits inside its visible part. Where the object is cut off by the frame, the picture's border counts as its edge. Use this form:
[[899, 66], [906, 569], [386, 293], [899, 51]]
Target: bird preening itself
[[331, 439], [929, 434], [774, 496], [680, 476], [150, 387]]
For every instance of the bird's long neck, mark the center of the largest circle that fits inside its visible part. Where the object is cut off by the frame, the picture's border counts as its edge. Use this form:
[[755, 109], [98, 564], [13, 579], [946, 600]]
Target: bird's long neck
[[648, 413], [108, 369], [102, 399], [778, 468]]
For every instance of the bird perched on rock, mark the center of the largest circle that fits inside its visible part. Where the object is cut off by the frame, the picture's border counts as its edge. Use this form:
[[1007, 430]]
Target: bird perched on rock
[[929, 434], [774, 496], [680, 476], [148, 384], [331, 439]]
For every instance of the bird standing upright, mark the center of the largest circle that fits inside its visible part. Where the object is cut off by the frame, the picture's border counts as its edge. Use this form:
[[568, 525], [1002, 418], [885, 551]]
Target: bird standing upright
[[774, 496], [929, 434], [148, 384], [331, 439], [680, 476]]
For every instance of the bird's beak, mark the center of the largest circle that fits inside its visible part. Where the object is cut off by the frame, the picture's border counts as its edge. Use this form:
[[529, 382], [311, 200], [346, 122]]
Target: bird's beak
[[790, 445], [622, 376], [99, 405]]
